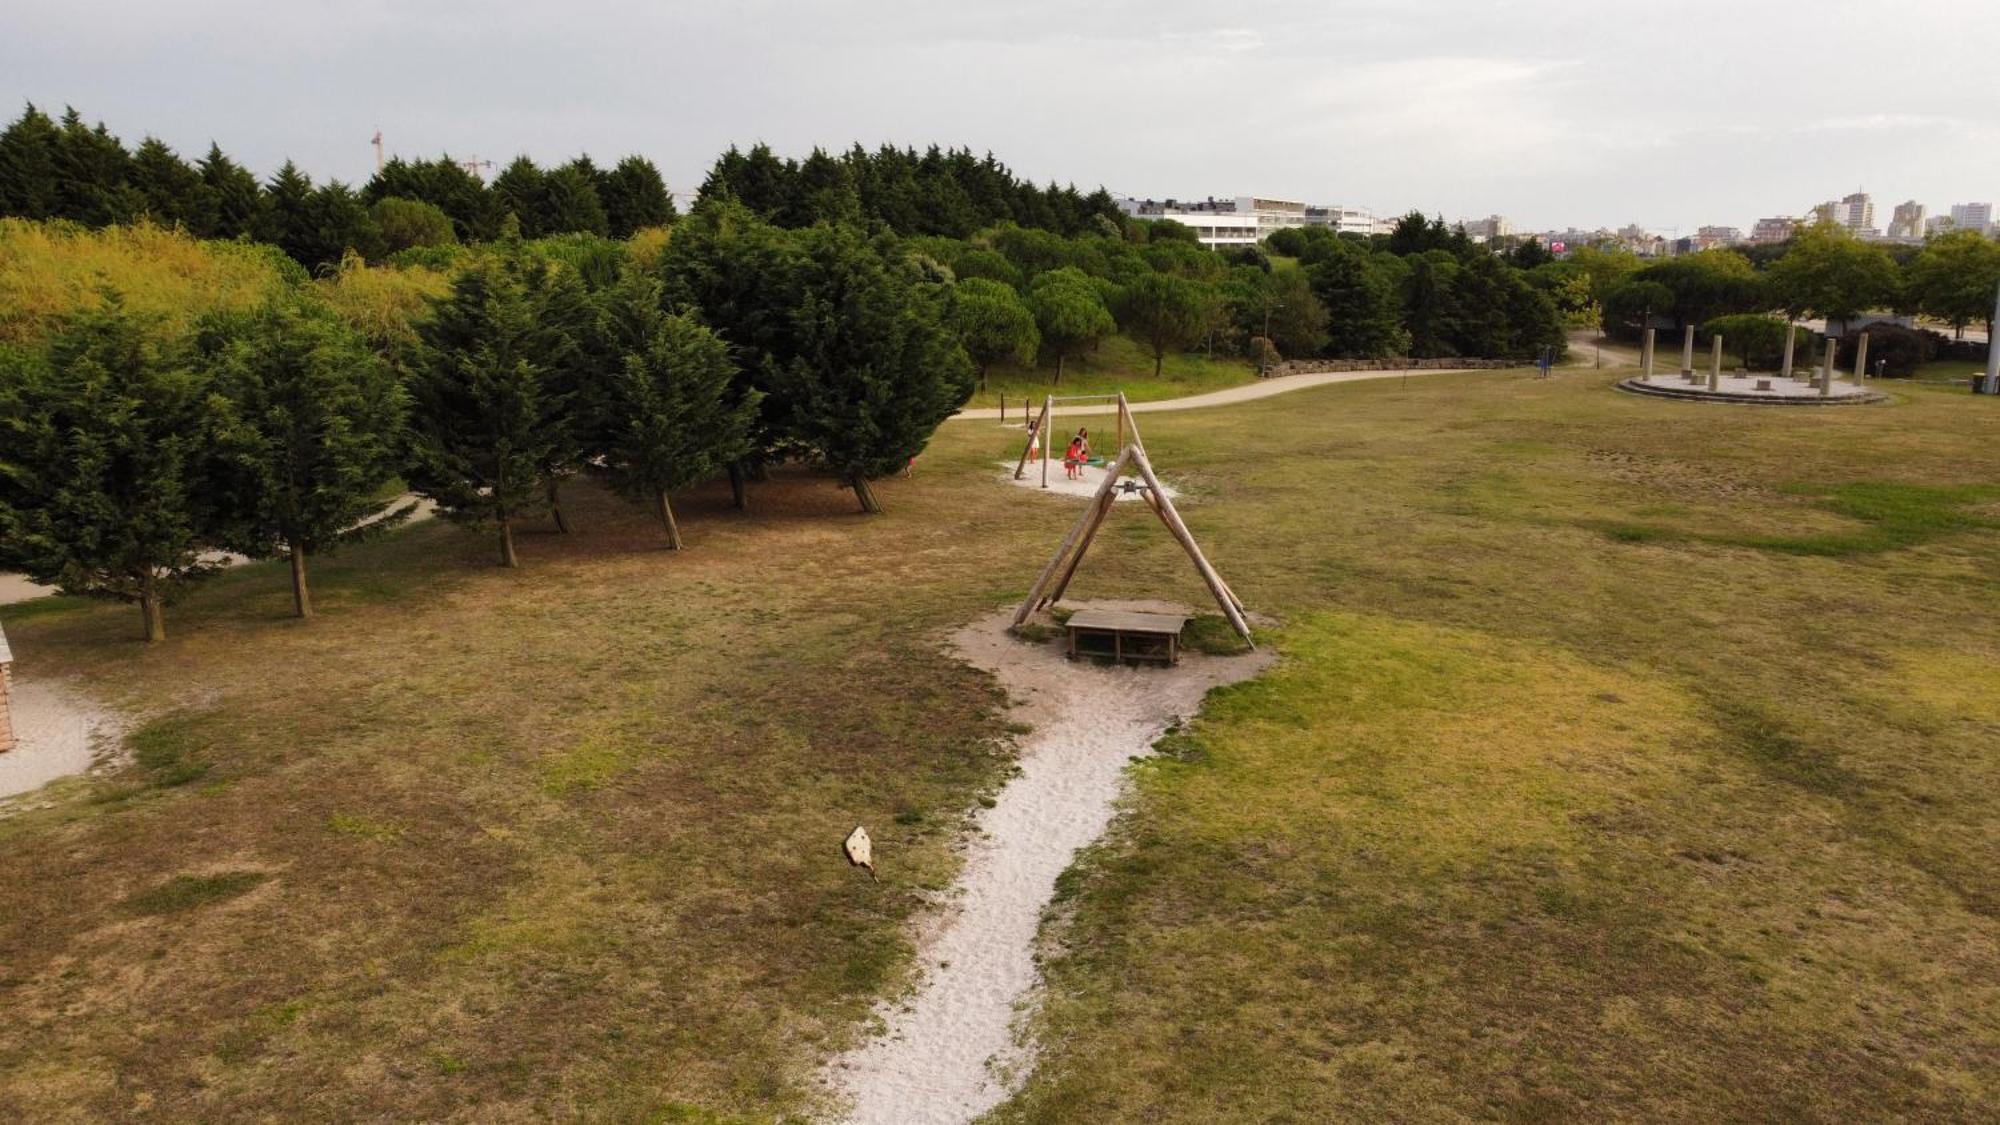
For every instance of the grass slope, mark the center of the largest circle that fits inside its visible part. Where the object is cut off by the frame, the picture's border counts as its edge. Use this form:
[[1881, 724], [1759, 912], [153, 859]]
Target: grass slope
[[1534, 820]]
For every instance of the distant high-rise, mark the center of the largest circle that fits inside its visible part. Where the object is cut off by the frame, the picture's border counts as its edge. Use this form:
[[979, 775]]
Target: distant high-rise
[[1909, 220], [1972, 216], [1776, 229], [1855, 212]]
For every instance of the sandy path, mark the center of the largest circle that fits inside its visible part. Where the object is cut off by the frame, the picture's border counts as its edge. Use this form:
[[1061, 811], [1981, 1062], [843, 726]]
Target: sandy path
[[60, 732], [938, 1060], [1089, 479], [1249, 392]]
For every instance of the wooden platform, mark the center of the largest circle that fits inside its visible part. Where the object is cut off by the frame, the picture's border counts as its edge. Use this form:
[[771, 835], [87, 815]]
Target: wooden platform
[[1123, 634]]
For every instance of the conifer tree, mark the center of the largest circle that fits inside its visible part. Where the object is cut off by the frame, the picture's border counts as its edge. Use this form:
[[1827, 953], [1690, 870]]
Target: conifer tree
[[672, 413], [521, 188], [1070, 313], [285, 220], [28, 166], [169, 188], [92, 172], [635, 197], [1165, 312], [308, 429], [572, 200], [993, 324], [231, 205], [478, 408], [103, 447]]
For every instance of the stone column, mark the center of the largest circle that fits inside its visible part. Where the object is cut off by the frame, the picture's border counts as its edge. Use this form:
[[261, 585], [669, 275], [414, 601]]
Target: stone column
[[1646, 358], [1826, 369], [1791, 340], [1861, 359], [6, 715], [1687, 352], [1715, 363]]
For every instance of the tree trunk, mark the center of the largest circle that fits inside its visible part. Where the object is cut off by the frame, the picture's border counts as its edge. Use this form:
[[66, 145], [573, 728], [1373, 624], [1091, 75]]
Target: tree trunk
[[864, 494], [301, 594], [1159, 357], [150, 609], [736, 486], [507, 542], [554, 485], [1057, 381], [667, 520], [982, 380], [758, 470]]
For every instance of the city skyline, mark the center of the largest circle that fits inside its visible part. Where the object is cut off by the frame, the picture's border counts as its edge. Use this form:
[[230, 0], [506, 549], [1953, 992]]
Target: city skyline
[[1542, 112]]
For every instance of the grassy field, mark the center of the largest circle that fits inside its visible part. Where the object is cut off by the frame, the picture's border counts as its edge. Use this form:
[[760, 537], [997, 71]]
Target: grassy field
[[1117, 364], [1627, 759]]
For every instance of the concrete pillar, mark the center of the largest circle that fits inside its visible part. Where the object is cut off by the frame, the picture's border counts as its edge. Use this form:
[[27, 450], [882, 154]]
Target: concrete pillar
[[1646, 356], [1861, 360], [1991, 384], [1791, 339], [1687, 352], [1826, 370], [1715, 363]]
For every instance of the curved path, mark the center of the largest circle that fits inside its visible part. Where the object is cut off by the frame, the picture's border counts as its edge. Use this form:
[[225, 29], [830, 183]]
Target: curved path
[[1248, 392]]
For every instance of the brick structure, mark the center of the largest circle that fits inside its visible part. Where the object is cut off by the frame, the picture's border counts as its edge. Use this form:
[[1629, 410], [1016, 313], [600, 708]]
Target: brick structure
[[6, 714]]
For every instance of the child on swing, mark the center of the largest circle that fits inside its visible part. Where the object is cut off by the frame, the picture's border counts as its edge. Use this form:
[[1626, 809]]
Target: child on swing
[[1078, 455]]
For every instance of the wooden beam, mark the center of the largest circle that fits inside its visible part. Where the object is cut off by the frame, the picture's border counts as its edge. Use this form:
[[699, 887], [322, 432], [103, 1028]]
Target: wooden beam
[[1076, 557], [1034, 431], [1042, 580], [1172, 518]]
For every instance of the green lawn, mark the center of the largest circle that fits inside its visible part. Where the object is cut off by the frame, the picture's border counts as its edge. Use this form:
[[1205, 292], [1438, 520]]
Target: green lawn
[[1627, 759], [1118, 364]]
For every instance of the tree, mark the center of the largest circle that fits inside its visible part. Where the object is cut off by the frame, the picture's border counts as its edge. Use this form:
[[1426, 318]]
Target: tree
[[92, 173], [1955, 277], [672, 413], [1070, 314], [873, 369], [478, 405], [1363, 315], [993, 324], [284, 220], [105, 439], [1755, 336], [308, 429], [1829, 273], [1707, 284], [1298, 318], [823, 192], [572, 202], [28, 166], [336, 222], [1165, 312], [405, 223], [231, 203], [523, 190], [635, 197], [169, 188]]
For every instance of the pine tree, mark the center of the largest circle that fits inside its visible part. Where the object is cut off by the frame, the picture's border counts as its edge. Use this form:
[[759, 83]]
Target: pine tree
[[573, 205], [1166, 312], [92, 174], [672, 413], [875, 370], [28, 166], [285, 220], [635, 197], [169, 187], [1070, 313], [993, 324], [337, 223], [309, 429], [232, 205], [103, 447], [478, 405], [521, 188]]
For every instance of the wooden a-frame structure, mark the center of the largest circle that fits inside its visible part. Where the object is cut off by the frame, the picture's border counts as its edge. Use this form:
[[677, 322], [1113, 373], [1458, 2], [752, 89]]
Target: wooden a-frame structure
[[1055, 577]]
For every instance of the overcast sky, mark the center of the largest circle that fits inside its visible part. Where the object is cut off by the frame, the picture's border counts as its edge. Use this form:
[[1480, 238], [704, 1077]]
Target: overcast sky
[[1551, 112]]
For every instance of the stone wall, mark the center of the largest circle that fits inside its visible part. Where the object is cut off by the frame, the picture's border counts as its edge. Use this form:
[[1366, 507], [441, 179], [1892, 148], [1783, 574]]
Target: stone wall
[[6, 678], [1311, 366]]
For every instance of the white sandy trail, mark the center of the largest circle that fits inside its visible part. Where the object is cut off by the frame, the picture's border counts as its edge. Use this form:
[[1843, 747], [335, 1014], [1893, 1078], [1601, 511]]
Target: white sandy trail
[[60, 733], [950, 1050], [1248, 392]]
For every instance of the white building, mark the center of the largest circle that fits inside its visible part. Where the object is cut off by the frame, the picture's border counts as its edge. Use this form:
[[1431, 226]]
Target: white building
[[1777, 228], [1908, 221], [1855, 212], [1488, 228], [1343, 219], [1972, 216], [1248, 219]]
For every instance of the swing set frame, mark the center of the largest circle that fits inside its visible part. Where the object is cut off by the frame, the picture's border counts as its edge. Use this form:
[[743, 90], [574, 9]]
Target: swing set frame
[[1040, 425], [1055, 577]]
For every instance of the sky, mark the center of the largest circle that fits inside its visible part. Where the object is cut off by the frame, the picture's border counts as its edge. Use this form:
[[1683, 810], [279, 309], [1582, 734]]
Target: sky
[[1550, 112]]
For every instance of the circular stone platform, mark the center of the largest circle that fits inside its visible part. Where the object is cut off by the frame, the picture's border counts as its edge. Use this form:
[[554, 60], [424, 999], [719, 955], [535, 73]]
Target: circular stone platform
[[1746, 389]]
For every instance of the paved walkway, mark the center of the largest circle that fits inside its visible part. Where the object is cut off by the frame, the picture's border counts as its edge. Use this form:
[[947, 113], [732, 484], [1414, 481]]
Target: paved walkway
[[1249, 392]]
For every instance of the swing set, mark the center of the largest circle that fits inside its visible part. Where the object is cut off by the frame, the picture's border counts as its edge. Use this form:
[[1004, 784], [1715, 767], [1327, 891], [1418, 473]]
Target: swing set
[[1040, 426], [1062, 567]]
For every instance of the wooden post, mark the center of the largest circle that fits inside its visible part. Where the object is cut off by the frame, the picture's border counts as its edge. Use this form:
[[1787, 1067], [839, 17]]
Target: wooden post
[[1034, 431], [1180, 532], [1048, 416], [1103, 509]]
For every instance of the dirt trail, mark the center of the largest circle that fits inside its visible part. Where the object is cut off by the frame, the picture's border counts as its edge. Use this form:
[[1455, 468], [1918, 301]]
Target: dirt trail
[[1249, 392], [60, 733], [950, 1052]]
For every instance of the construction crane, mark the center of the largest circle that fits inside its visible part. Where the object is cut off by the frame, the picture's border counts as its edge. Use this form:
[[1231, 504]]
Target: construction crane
[[378, 149], [476, 166]]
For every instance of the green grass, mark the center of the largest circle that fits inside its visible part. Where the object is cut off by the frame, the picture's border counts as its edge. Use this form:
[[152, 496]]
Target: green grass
[[186, 892], [1119, 363], [1578, 792]]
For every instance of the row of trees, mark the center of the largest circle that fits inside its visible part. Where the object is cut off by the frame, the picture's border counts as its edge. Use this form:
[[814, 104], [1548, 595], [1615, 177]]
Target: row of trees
[[67, 169], [951, 193], [1823, 272], [132, 448]]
